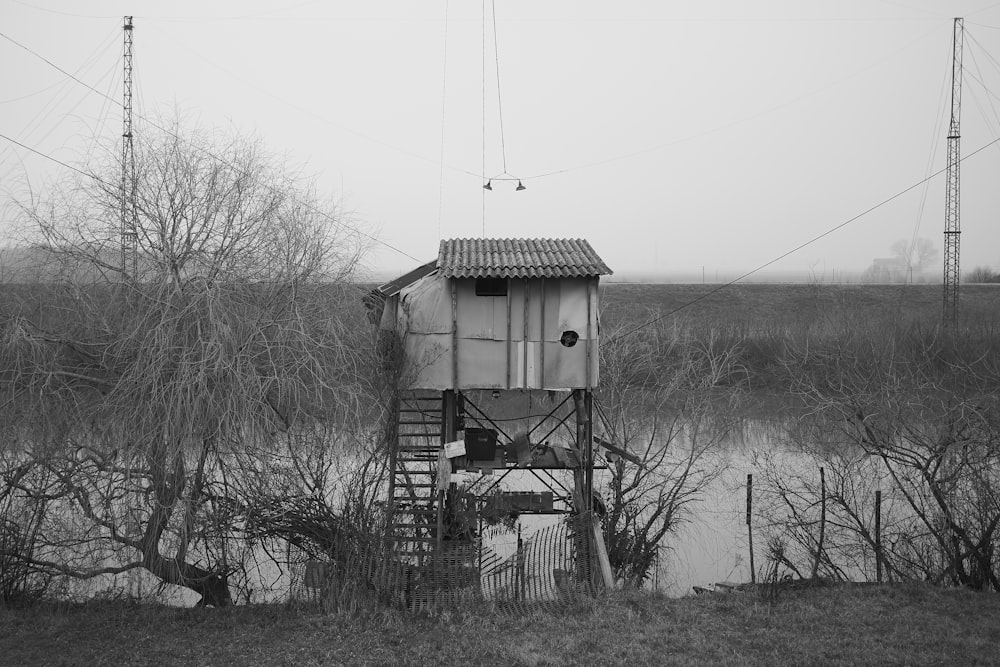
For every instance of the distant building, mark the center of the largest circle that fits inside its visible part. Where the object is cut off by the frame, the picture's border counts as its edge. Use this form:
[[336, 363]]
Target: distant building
[[888, 270]]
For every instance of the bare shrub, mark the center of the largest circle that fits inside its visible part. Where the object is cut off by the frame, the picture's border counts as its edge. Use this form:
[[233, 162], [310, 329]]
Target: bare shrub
[[21, 516], [668, 402], [913, 413], [981, 274], [134, 382]]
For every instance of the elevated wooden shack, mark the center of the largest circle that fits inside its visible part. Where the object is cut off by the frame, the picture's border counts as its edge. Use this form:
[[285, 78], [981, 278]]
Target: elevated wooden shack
[[492, 317], [501, 314]]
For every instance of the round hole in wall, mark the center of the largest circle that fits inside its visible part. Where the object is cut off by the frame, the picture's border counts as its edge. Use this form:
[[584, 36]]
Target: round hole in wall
[[569, 338]]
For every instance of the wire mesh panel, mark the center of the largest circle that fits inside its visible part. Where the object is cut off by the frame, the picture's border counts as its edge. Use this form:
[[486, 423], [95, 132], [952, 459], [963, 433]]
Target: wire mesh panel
[[542, 570], [546, 569]]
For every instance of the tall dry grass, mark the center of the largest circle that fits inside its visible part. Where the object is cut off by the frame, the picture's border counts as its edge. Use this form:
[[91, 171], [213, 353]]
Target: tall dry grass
[[774, 333]]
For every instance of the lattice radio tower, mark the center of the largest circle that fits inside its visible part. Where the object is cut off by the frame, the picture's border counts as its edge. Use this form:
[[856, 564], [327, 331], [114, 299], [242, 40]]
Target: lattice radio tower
[[129, 214], [952, 227]]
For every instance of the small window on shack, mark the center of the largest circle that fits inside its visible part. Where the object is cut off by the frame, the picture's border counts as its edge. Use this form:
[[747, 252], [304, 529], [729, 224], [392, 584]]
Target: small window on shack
[[491, 287]]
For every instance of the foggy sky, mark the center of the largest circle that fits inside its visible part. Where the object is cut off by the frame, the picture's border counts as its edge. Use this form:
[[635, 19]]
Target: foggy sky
[[677, 137]]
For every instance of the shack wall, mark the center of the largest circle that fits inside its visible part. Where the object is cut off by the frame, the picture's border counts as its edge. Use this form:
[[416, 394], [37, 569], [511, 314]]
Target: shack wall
[[498, 342]]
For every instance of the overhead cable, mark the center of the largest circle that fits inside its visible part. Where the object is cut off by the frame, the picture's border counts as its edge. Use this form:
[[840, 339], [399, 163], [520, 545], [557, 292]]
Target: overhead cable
[[795, 249], [176, 136], [57, 160]]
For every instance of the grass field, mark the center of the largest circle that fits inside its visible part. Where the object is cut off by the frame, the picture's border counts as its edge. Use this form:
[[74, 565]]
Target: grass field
[[779, 303], [850, 625], [911, 624], [766, 330]]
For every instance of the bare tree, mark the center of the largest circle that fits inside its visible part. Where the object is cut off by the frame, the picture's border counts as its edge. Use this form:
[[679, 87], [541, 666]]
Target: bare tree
[[912, 413], [917, 256], [132, 378], [982, 274], [666, 399]]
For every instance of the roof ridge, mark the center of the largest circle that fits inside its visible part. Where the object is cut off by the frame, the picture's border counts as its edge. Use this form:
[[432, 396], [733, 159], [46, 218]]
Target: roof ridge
[[519, 257]]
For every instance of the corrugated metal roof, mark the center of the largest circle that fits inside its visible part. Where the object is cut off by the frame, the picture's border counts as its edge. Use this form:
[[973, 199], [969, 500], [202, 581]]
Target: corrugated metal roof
[[519, 258]]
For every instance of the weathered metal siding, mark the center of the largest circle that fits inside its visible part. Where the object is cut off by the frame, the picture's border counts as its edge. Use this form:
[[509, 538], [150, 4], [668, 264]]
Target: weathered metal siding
[[499, 342]]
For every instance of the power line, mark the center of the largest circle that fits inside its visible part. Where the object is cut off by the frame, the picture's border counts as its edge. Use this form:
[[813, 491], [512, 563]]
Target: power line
[[731, 124], [55, 11], [796, 248], [48, 62], [990, 95], [39, 120], [502, 134], [63, 94], [444, 102], [482, 72], [116, 185], [262, 15], [37, 92], [270, 15], [176, 136], [496, 57], [98, 130], [935, 139], [983, 9], [284, 100], [981, 79], [57, 161], [483, 174]]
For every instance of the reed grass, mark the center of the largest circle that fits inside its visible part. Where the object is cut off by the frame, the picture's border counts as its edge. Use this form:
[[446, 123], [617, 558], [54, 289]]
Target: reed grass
[[776, 333]]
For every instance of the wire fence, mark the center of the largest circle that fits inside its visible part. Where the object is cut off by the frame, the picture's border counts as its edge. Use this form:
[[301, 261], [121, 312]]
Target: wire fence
[[548, 568]]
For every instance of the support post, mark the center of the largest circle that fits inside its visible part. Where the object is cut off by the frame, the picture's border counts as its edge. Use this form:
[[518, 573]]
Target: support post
[[439, 543], [449, 433], [878, 536], [753, 572], [602, 554], [541, 336], [519, 592], [822, 522], [592, 538], [590, 335], [449, 416], [583, 407], [510, 340], [524, 340], [454, 334]]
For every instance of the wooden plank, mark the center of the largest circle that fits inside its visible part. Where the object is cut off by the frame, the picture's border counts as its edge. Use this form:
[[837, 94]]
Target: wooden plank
[[602, 555]]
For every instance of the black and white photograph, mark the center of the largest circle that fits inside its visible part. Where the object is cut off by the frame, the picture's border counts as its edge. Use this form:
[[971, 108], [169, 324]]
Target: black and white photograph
[[497, 332]]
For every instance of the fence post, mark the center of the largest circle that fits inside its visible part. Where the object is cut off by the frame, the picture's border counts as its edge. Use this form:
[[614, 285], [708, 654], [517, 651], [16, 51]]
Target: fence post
[[656, 571], [753, 572], [519, 567], [878, 536], [822, 522]]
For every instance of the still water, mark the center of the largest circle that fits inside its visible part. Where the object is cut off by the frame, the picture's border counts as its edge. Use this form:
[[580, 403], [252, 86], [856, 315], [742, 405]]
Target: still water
[[709, 545]]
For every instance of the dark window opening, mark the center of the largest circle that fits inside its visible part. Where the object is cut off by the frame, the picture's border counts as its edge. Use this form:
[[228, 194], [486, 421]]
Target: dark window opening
[[491, 287], [569, 338]]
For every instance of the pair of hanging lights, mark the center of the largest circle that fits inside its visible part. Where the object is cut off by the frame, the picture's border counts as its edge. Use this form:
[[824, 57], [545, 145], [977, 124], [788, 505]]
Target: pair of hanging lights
[[520, 185], [504, 175]]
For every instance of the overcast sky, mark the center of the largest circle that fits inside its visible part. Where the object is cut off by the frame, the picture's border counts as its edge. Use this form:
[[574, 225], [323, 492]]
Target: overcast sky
[[676, 137]]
